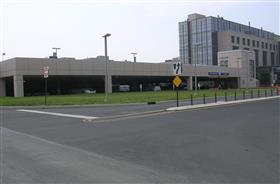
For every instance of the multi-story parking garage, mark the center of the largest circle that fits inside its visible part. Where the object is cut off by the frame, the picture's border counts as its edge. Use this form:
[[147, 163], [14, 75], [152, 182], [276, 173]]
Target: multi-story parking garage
[[24, 76]]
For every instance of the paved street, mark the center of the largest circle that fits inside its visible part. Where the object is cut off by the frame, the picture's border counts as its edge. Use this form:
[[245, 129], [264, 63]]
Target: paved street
[[227, 144]]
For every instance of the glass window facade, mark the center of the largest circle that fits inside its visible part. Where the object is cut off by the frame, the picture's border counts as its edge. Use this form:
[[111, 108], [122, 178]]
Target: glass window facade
[[198, 38], [183, 42]]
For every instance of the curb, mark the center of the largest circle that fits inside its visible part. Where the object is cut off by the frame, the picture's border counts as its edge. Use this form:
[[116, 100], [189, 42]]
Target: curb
[[220, 103]]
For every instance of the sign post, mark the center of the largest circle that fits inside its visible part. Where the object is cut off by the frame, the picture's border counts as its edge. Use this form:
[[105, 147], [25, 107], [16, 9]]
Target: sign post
[[177, 70], [46, 75], [177, 82]]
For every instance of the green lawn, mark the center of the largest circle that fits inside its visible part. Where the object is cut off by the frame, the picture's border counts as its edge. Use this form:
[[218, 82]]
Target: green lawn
[[116, 98]]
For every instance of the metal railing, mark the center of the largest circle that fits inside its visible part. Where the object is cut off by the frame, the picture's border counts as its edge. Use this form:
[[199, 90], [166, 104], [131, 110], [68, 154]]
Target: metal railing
[[233, 96]]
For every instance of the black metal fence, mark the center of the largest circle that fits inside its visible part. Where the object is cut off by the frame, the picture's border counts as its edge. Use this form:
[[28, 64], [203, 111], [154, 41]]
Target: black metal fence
[[233, 96]]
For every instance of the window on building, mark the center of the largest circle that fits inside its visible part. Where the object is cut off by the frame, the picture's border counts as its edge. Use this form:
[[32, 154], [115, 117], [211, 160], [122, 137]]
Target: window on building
[[273, 47], [248, 42], [224, 63], [265, 45], [235, 47], [243, 41], [264, 58], [258, 44], [232, 39], [270, 46], [246, 48], [262, 45], [253, 43], [238, 40]]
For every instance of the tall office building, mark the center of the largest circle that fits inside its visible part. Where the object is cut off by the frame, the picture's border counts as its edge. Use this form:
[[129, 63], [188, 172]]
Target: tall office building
[[202, 37]]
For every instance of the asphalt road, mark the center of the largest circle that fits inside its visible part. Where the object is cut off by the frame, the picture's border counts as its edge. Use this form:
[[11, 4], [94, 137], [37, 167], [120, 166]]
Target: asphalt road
[[227, 144]]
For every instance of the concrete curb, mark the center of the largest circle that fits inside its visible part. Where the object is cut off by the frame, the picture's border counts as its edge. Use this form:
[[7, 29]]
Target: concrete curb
[[220, 103]]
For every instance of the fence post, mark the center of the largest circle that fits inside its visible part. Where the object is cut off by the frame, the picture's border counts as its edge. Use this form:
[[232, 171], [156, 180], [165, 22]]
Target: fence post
[[204, 99], [191, 99], [235, 98], [252, 94], [226, 96], [243, 95], [215, 97]]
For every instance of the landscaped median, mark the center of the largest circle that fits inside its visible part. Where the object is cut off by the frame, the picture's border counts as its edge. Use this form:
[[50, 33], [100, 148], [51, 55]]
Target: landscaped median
[[125, 97]]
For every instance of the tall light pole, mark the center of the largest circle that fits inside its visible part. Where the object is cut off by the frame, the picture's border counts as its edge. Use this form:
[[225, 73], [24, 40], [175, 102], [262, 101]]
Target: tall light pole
[[56, 48], [106, 67], [238, 78], [195, 66], [3, 55], [134, 56]]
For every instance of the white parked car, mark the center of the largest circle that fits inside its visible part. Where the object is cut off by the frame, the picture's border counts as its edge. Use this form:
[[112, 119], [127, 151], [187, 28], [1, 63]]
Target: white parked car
[[89, 91], [157, 88]]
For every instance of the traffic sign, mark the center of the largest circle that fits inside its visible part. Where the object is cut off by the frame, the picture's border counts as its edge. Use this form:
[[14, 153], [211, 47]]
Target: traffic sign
[[46, 71], [177, 81], [177, 68]]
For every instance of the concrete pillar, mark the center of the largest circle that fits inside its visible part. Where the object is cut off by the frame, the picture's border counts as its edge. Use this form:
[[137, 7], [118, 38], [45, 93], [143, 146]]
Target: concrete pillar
[[109, 85], [238, 82], [190, 83], [18, 86], [2, 87]]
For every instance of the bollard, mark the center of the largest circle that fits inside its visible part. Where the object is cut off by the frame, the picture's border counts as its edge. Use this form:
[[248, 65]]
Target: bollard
[[204, 99], [215, 97], [243, 95], [235, 97], [258, 93], [191, 99], [271, 92], [252, 94], [226, 96], [265, 93]]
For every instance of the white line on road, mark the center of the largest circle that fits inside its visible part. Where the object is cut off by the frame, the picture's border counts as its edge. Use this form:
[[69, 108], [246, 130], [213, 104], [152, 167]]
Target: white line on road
[[59, 114]]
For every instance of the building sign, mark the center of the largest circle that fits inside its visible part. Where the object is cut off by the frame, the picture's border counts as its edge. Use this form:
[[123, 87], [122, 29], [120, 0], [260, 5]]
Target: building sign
[[213, 73], [218, 74], [224, 74]]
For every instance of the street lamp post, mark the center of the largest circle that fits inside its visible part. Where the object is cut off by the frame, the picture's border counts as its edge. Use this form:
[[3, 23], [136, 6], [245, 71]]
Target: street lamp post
[[56, 48], [3, 55], [134, 56], [106, 67], [238, 78], [195, 66]]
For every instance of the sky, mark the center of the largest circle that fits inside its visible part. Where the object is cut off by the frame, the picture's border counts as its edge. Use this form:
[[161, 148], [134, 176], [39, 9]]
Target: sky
[[30, 28]]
